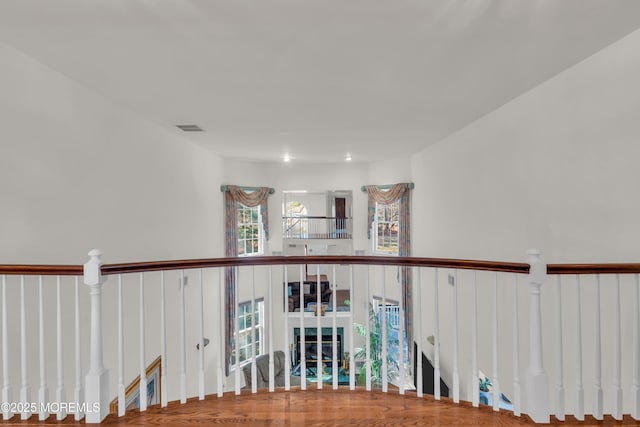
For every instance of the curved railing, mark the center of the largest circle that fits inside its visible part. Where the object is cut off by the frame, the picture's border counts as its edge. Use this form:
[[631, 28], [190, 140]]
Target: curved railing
[[451, 302]]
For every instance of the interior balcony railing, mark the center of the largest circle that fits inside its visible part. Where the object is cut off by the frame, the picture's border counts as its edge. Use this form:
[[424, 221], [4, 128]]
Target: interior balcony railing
[[316, 227], [463, 316]]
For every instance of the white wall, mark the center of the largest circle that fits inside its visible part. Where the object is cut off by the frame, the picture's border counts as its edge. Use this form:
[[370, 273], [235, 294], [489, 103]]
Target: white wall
[[555, 169], [78, 173]]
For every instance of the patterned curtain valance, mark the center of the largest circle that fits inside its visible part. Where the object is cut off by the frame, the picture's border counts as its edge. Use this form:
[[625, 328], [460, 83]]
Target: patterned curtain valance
[[248, 196], [387, 194]]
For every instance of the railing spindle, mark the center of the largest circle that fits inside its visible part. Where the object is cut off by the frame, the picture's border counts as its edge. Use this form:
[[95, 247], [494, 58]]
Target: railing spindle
[[303, 350], [254, 368], [352, 366], [334, 330], [495, 380], [475, 380], [516, 351], [183, 341], [456, 374], [201, 376], [635, 388], [436, 340], [579, 412], [6, 383], [385, 342], [221, 333], [25, 393], [319, 356], [598, 398], [559, 354], [164, 398], [269, 309], [78, 392], [401, 373], [287, 345], [418, 355], [236, 334], [60, 392], [616, 411], [143, 366], [367, 338], [121, 388], [43, 391]]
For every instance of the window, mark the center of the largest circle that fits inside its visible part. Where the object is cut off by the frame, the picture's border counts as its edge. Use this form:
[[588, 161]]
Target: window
[[386, 223], [249, 230], [247, 322], [294, 221]]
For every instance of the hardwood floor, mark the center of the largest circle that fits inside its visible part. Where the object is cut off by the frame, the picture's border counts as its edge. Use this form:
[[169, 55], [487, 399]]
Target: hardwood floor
[[325, 408]]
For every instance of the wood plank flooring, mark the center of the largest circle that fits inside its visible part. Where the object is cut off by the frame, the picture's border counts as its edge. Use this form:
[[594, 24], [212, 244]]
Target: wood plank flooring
[[324, 408]]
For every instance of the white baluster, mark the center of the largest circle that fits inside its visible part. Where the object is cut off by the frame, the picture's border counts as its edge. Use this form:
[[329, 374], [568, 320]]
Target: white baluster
[[60, 392], [635, 388], [475, 380], [418, 356], [598, 399], [456, 374], [6, 383], [143, 367], [334, 330], [221, 332], [121, 388], [352, 366], [164, 398], [254, 368], [318, 329], [559, 369], [516, 351], [616, 411], [495, 380], [269, 308], [401, 373], [25, 392], [537, 380], [436, 340], [201, 377], [78, 392], [287, 345], [183, 342], [383, 322], [97, 380], [579, 412], [237, 332], [303, 350], [367, 338], [43, 391]]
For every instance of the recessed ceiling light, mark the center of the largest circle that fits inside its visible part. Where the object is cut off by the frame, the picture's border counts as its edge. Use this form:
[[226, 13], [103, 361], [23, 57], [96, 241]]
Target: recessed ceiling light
[[286, 158], [348, 158]]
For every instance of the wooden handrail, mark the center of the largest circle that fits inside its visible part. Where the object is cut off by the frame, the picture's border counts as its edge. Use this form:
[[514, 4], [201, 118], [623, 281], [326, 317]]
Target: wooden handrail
[[509, 267], [609, 268], [42, 270], [137, 267]]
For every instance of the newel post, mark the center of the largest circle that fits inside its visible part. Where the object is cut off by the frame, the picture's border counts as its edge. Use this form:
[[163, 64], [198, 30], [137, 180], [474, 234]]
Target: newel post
[[537, 380], [97, 380]]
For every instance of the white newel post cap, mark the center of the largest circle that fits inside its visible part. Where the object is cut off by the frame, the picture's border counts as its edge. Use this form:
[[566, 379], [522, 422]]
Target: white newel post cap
[[538, 269], [92, 272]]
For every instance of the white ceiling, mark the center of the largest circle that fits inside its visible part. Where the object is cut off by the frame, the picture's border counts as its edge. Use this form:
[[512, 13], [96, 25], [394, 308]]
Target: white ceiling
[[314, 79]]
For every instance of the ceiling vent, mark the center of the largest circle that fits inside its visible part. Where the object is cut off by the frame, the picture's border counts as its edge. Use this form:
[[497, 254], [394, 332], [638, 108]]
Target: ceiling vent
[[190, 128]]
